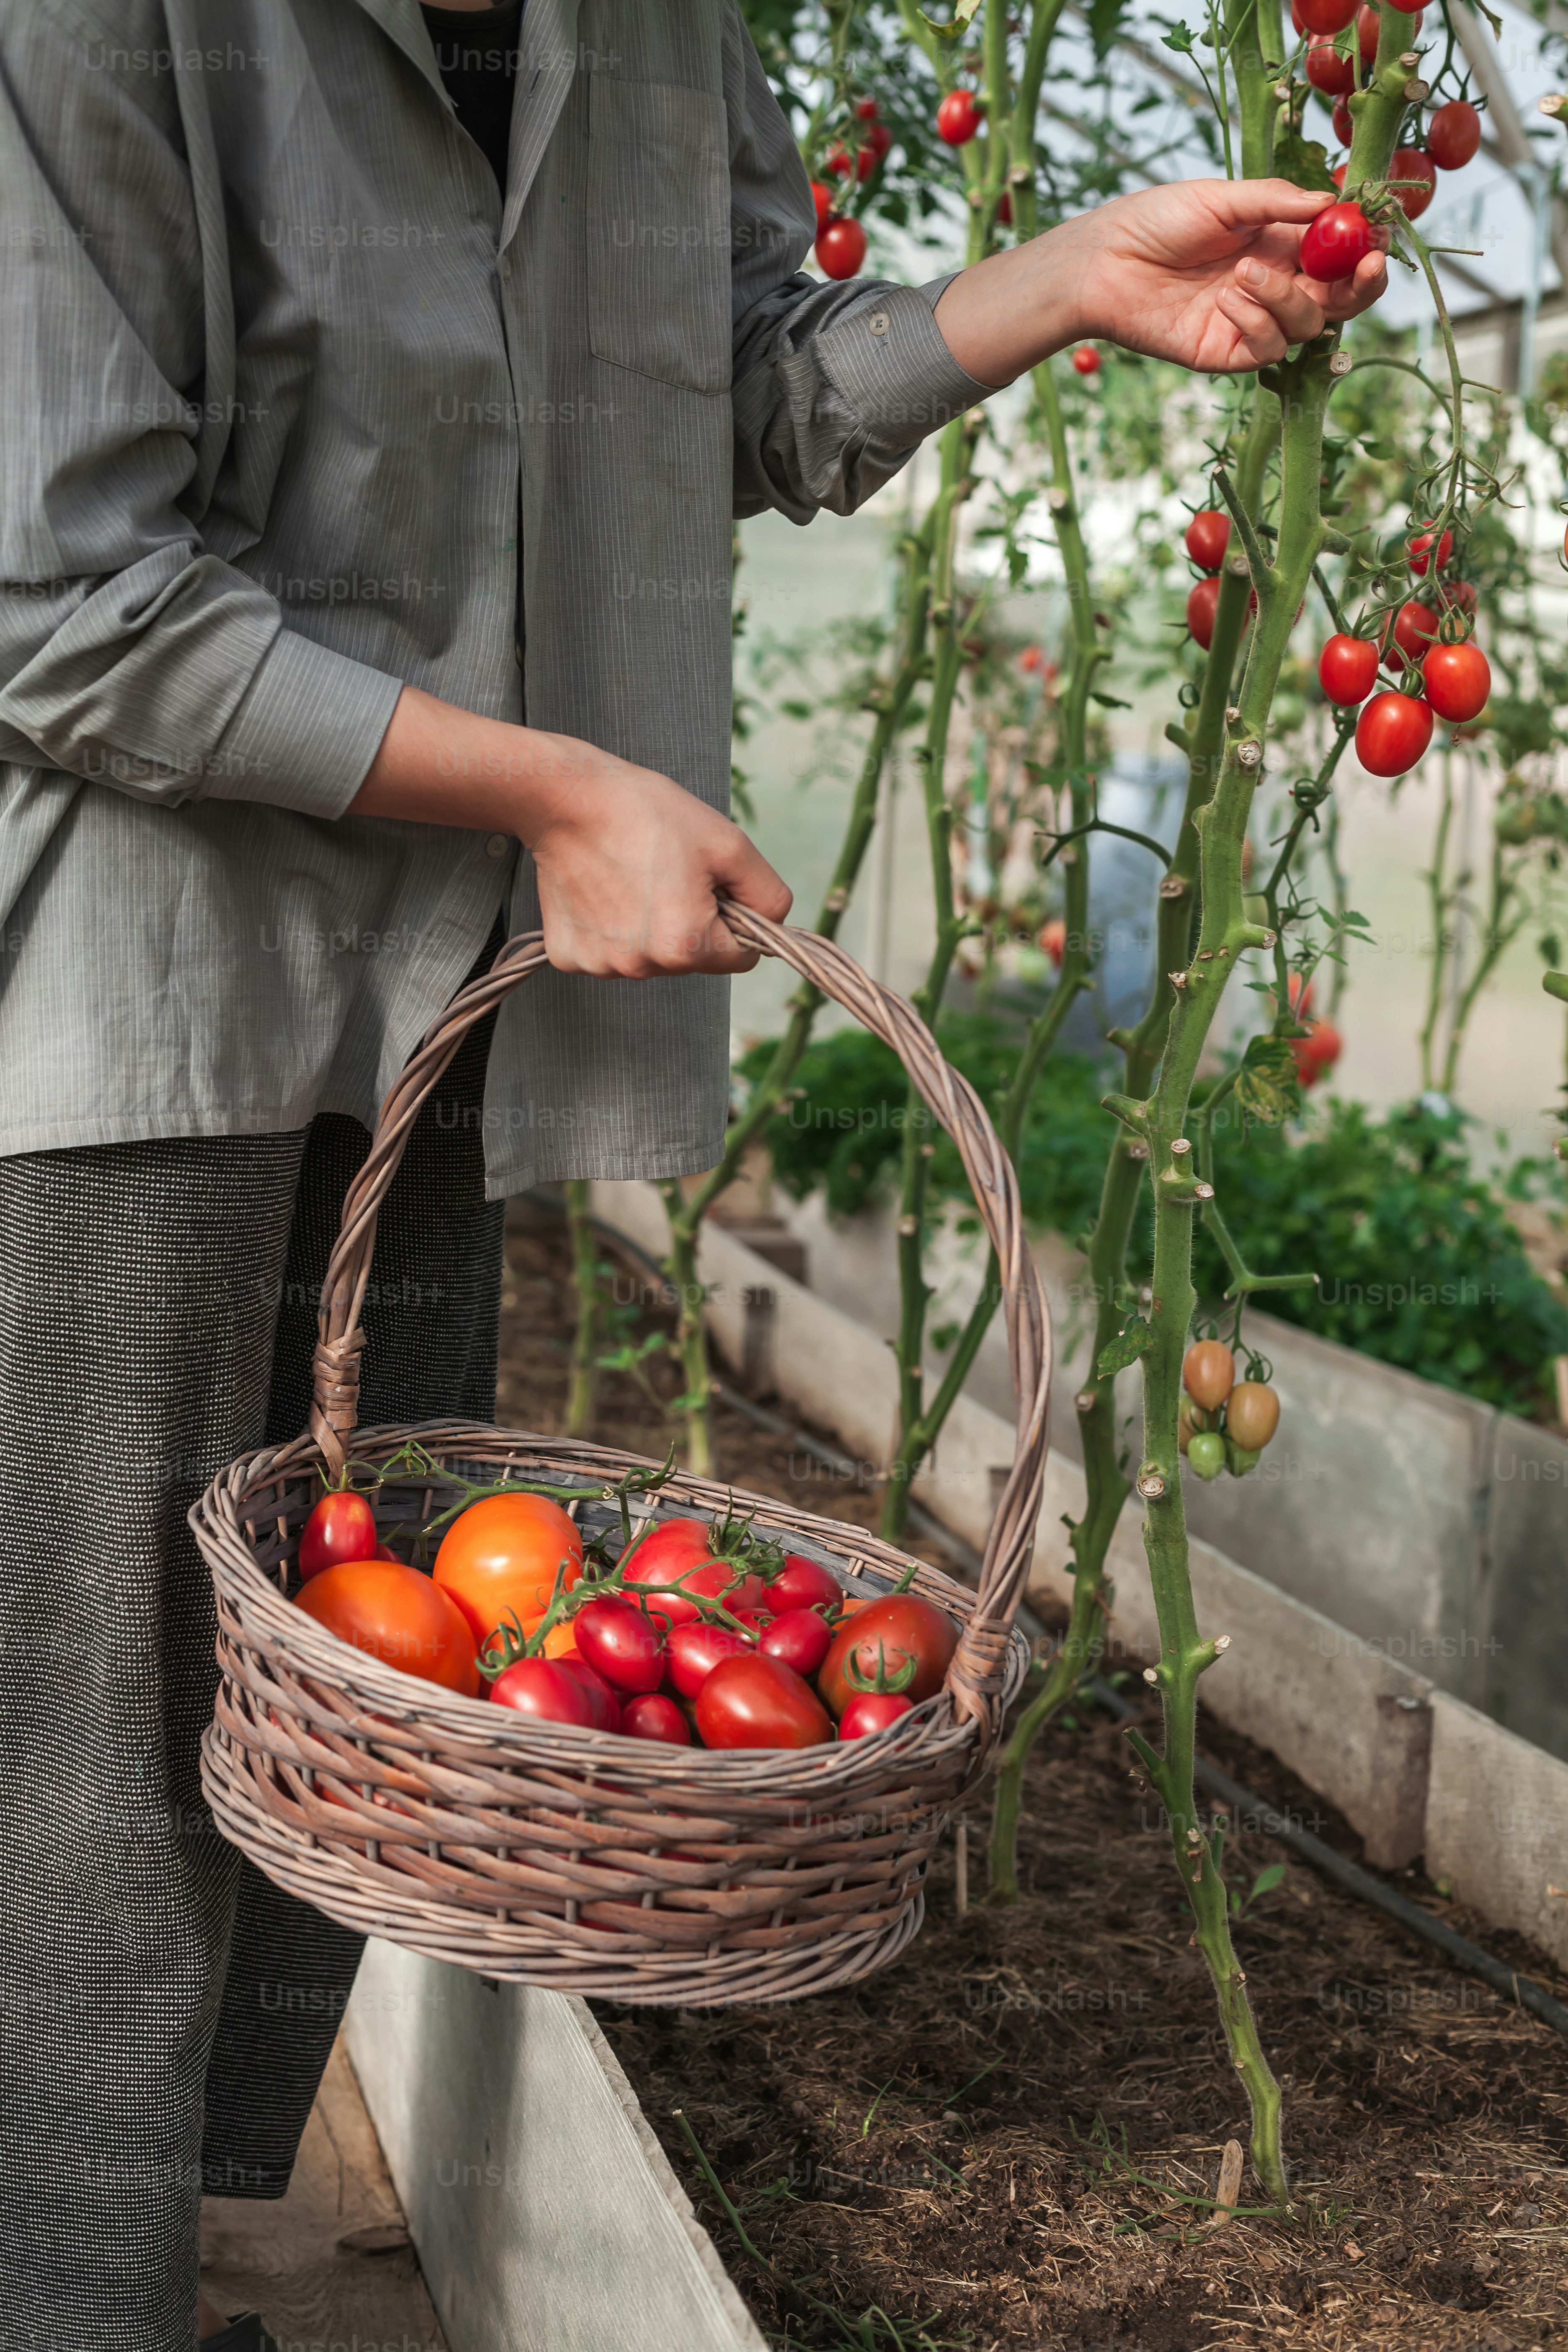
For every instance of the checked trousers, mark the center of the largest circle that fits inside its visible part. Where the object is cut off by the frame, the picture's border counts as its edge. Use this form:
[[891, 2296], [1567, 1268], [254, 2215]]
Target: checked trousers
[[165, 2012]]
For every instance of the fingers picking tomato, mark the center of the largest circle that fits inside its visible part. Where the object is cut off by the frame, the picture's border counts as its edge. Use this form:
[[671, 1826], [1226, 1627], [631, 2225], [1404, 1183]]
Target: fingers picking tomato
[[870, 1711], [502, 1555], [342, 1526], [545, 1688], [759, 1702], [394, 1614], [651, 1716], [801, 1637], [1332, 244], [621, 1642]]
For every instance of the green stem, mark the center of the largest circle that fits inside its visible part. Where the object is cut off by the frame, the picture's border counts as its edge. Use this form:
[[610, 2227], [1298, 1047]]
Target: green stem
[[1501, 936], [1440, 900], [585, 1282]]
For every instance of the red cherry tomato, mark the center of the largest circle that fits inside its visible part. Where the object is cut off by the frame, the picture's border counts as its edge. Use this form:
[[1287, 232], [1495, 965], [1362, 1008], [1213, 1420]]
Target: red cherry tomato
[[1344, 128], [1208, 536], [1004, 208], [800, 1637], [394, 1614], [822, 197], [870, 1711], [676, 1553], [1454, 135], [1337, 175], [1392, 734], [900, 1626], [621, 1642], [1201, 605], [1333, 243], [802, 1583], [1054, 939], [654, 1717], [865, 110], [1459, 679], [1454, 595], [958, 117], [1086, 359], [1367, 22], [1326, 15], [500, 1557], [1323, 1043], [1347, 669], [841, 248], [1413, 629], [759, 1702], [547, 1689], [837, 160], [1421, 550], [879, 138], [342, 1526], [1326, 70], [1420, 175], [695, 1649], [604, 1704], [1297, 18]]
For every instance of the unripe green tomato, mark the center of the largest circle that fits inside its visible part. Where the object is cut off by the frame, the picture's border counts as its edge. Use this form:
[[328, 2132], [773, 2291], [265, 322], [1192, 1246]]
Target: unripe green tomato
[[1238, 1460], [1205, 1452]]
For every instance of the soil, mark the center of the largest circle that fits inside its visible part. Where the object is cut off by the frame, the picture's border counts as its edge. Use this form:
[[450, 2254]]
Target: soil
[[991, 2144]]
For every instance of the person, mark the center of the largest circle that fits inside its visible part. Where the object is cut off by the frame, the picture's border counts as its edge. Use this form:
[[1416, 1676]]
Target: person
[[379, 385]]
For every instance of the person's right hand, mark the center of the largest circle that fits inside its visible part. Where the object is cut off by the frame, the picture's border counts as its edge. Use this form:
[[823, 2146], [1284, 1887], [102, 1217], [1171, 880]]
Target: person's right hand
[[630, 864], [629, 867]]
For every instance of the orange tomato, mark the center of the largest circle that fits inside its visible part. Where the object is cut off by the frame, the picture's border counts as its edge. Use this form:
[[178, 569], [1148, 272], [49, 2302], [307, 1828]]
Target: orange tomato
[[394, 1614], [502, 1554]]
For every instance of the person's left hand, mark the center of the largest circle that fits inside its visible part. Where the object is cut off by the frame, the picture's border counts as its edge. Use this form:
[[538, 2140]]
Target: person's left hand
[[1202, 272]]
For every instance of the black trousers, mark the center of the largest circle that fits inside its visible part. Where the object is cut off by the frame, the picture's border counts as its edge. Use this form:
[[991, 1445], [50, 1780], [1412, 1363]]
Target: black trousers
[[165, 2012]]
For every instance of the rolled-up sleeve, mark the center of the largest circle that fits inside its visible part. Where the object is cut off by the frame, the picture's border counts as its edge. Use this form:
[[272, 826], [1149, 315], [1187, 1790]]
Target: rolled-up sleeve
[[834, 385], [129, 655]]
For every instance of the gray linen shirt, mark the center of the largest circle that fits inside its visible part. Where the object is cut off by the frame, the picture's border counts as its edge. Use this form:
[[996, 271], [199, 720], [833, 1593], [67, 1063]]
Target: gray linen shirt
[[282, 378]]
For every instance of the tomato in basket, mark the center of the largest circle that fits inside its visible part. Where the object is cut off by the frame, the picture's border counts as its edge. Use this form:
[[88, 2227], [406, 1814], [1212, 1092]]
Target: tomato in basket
[[883, 1635], [342, 1526], [803, 1583], [548, 1689], [679, 1552], [759, 1702], [394, 1614], [652, 1716], [501, 1556]]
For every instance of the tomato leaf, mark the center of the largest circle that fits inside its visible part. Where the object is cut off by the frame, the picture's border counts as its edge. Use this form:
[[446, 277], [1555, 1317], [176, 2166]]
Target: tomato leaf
[[962, 15], [1270, 1086], [1301, 160], [1117, 1353], [1104, 25], [1109, 702], [1178, 38]]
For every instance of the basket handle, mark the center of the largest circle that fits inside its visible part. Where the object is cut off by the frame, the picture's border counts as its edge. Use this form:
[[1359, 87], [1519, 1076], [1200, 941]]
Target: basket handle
[[975, 1674]]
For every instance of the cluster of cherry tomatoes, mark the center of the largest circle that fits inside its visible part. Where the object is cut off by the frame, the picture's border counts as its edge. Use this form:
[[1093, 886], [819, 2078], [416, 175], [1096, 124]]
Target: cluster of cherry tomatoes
[[1225, 1423], [1454, 133], [700, 1634], [1396, 727], [841, 240]]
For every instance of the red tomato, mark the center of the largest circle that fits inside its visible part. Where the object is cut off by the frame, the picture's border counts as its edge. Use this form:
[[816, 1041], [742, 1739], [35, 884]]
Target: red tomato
[[822, 199], [1296, 17], [1326, 15], [604, 1704], [1201, 605], [837, 160], [394, 1614], [958, 117], [841, 248], [696, 1649], [1420, 175], [342, 1526], [654, 1717], [1421, 549], [1054, 939], [1335, 242], [759, 1702], [1300, 998], [870, 1711], [1318, 1051], [1391, 733], [1454, 595], [1347, 669], [1367, 24], [1208, 535], [900, 1625], [1454, 135], [800, 1637], [676, 1553], [865, 110], [547, 1689], [879, 138], [803, 1583], [1459, 679], [1004, 208], [1344, 128], [502, 1555], [1086, 359], [1326, 70], [1337, 175], [1415, 628], [621, 1642]]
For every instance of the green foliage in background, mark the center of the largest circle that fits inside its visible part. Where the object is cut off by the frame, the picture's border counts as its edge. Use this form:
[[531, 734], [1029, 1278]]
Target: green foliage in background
[[1418, 1261]]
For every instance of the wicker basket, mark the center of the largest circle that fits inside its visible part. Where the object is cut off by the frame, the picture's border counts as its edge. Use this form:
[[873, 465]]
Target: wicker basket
[[577, 1859]]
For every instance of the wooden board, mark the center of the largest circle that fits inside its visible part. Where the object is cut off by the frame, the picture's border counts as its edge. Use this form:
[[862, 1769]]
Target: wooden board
[[331, 2263]]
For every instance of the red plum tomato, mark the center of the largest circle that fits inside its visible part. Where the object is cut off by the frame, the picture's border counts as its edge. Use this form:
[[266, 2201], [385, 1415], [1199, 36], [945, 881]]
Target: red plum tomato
[[621, 1642], [840, 248], [1085, 360], [1347, 669], [342, 1526], [898, 1627], [1201, 605], [1335, 242], [1208, 536], [654, 1717], [1326, 70], [1392, 734], [695, 1649], [958, 117], [870, 1711], [394, 1614], [676, 1553], [802, 1583], [1421, 550], [1458, 680], [758, 1701], [801, 1637], [1416, 176], [547, 1689], [604, 1704], [822, 197], [1326, 15], [1454, 135]]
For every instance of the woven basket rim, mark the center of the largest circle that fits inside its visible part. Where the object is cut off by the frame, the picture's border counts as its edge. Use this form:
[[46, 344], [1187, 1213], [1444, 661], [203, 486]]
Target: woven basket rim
[[411, 1711]]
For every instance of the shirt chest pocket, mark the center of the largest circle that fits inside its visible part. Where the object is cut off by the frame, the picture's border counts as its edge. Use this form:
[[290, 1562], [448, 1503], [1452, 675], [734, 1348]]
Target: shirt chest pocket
[[658, 224]]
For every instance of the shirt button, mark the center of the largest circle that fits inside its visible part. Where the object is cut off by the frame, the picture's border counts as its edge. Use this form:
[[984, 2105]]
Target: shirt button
[[506, 266], [497, 845], [879, 323]]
